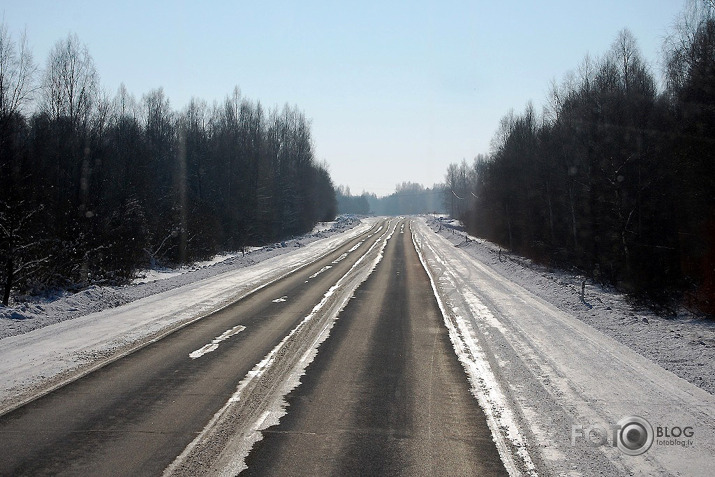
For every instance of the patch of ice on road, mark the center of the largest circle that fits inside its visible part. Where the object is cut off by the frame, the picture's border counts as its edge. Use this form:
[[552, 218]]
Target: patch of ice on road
[[213, 346]]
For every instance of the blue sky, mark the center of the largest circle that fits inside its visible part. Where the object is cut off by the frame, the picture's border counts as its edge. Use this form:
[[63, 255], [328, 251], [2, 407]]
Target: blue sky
[[395, 90]]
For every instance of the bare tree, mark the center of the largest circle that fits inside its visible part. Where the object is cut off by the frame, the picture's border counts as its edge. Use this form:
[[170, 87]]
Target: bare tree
[[124, 103], [19, 247], [17, 73], [70, 85], [157, 115], [626, 56], [678, 46]]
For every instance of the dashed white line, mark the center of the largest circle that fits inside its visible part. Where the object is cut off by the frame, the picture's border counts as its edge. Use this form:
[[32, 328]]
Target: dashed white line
[[340, 258], [355, 247], [324, 269], [215, 342]]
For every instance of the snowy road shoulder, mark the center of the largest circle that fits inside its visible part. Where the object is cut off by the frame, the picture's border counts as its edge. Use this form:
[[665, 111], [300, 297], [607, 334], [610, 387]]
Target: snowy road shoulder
[[46, 357], [549, 380]]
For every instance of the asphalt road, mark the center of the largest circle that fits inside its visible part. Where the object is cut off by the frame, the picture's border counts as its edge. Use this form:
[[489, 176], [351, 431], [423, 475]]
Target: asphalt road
[[385, 394], [134, 416]]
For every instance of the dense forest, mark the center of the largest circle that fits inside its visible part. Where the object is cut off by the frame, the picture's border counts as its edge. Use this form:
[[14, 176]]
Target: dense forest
[[351, 204], [93, 187], [617, 176], [408, 198]]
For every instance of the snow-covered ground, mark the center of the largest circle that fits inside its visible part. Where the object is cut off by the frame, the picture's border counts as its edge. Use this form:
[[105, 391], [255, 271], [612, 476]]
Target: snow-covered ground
[[45, 344], [549, 371], [37, 312]]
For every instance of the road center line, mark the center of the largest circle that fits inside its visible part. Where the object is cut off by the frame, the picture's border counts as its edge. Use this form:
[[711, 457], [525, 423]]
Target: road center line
[[213, 346], [355, 247], [340, 258], [324, 269]]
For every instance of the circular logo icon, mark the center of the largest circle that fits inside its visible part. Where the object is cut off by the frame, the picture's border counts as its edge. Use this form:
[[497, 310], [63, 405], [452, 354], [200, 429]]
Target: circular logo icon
[[635, 435]]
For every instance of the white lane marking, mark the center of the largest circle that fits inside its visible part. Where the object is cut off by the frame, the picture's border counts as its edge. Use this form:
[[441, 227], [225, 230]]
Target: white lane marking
[[355, 247], [337, 260], [215, 342], [324, 269], [340, 258], [281, 299]]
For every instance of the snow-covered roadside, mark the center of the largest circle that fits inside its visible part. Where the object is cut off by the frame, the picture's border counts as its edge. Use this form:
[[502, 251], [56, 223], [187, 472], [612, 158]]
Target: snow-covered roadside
[[684, 344], [47, 356], [43, 311], [555, 379]]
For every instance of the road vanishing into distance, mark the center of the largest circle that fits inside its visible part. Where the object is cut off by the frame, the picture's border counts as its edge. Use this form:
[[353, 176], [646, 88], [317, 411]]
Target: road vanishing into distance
[[383, 395]]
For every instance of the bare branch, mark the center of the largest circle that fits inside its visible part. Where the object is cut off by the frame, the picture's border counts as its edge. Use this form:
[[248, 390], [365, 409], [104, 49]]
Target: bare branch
[[17, 73], [70, 85]]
